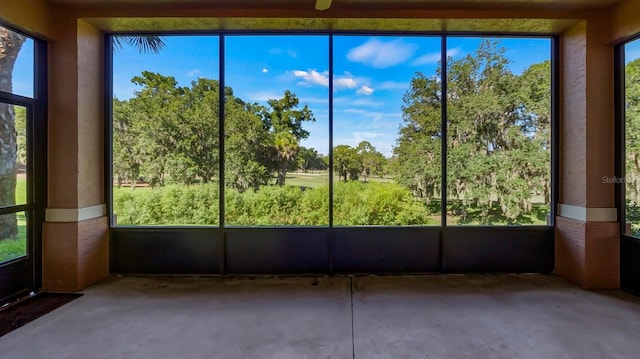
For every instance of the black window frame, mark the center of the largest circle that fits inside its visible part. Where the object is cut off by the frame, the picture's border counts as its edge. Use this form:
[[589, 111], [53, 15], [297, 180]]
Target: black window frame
[[220, 249], [629, 244], [24, 274]]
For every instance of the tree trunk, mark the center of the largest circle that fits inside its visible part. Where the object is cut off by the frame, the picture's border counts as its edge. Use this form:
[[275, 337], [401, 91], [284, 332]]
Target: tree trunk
[[282, 174], [10, 45]]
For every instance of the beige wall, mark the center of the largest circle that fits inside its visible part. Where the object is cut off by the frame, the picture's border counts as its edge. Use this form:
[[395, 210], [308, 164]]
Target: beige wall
[[625, 21], [76, 160], [90, 115], [32, 16], [587, 246]]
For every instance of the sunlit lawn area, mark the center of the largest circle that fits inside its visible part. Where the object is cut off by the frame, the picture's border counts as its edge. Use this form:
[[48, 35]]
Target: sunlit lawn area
[[315, 180], [17, 247], [21, 191]]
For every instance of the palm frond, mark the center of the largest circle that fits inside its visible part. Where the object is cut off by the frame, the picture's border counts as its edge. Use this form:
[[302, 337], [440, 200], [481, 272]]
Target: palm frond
[[142, 43]]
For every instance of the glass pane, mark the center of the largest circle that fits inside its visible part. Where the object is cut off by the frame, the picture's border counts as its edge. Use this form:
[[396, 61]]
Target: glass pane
[[13, 155], [13, 236], [165, 132], [277, 130], [632, 137], [499, 134], [387, 138], [16, 63]]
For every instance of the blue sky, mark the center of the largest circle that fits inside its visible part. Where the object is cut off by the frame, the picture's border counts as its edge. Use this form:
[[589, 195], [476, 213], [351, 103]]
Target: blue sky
[[632, 51], [23, 70], [371, 74]]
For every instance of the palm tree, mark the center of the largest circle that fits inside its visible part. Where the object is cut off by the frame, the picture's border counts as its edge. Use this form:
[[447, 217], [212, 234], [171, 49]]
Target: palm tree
[[10, 45], [143, 43], [286, 148]]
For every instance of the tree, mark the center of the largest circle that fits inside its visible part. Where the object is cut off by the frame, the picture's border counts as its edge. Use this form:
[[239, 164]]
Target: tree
[[10, 46], [197, 143], [285, 122], [143, 43], [417, 154], [247, 145], [372, 161], [535, 85], [126, 156], [126, 162], [498, 145], [309, 159], [167, 133], [347, 162], [632, 143]]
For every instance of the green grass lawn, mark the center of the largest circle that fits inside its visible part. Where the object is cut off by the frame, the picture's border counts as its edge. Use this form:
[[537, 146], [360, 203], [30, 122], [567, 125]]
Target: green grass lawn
[[15, 247], [307, 180], [315, 180], [21, 191]]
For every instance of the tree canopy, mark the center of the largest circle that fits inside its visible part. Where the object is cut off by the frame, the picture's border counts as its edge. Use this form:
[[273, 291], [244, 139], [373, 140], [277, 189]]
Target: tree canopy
[[168, 134], [498, 126]]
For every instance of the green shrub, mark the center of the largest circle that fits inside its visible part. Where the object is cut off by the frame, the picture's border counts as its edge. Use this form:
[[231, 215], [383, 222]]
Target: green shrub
[[356, 203], [168, 205], [375, 203], [633, 216]]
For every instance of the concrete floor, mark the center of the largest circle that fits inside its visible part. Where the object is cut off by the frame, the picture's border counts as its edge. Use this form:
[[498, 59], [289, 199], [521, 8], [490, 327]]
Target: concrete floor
[[443, 316]]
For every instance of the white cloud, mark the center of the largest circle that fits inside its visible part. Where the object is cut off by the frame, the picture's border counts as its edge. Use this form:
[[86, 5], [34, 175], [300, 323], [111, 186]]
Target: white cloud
[[367, 135], [345, 82], [313, 77], [265, 70], [427, 59], [381, 54], [278, 51], [193, 73], [365, 90], [433, 57], [262, 96], [358, 111]]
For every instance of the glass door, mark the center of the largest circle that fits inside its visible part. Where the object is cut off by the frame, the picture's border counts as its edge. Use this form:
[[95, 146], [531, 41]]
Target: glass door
[[19, 102]]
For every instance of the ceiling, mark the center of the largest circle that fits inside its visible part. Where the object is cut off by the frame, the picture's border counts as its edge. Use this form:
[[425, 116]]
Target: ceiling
[[344, 15], [413, 4]]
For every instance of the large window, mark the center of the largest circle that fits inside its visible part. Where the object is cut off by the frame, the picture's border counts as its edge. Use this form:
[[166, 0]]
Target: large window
[[386, 137], [16, 104], [632, 137], [276, 130], [166, 130], [320, 129], [499, 131]]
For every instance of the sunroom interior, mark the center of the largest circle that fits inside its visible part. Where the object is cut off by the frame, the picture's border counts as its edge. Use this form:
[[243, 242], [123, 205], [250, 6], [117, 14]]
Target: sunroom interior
[[79, 207]]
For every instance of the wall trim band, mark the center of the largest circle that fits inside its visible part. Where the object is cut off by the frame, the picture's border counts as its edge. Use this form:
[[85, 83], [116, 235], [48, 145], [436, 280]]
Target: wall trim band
[[75, 214], [586, 214]]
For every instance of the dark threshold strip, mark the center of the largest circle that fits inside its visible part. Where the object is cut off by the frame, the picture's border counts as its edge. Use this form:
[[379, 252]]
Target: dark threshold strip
[[19, 314]]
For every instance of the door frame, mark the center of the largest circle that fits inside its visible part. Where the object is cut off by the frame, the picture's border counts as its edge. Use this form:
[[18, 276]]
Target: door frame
[[21, 276]]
